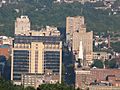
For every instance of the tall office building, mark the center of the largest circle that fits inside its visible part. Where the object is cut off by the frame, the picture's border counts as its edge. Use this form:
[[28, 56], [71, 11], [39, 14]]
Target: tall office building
[[73, 24], [36, 54], [76, 32]]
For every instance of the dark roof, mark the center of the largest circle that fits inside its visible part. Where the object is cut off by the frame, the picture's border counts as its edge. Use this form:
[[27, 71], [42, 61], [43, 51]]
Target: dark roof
[[29, 39], [4, 46]]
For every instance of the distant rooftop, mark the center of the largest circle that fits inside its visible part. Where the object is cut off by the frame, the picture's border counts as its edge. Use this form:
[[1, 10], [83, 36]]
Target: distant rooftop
[[4, 46], [29, 39]]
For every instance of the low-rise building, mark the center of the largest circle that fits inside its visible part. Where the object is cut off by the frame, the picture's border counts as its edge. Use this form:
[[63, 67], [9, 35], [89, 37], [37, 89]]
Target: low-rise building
[[100, 55], [5, 50], [103, 87], [86, 77], [6, 40], [35, 79]]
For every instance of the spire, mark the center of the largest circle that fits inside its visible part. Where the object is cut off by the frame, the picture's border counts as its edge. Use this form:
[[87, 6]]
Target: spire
[[80, 51]]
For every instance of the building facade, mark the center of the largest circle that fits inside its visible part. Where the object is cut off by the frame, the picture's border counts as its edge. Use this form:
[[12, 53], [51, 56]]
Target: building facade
[[5, 50], [36, 52], [97, 77], [76, 33], [33, 79], [104, 88], [22, 25], [101, 56]]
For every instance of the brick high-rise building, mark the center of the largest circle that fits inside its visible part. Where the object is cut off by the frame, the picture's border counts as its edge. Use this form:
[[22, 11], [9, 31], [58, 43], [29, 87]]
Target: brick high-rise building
[[76, 33]]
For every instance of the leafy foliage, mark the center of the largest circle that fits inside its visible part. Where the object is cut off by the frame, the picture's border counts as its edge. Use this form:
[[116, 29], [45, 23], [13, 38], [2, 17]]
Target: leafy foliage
[[8, 85], [55, 87], [98, 64], [29, 88], [45, 12], [116, 46], [112, 63], [108, 63]]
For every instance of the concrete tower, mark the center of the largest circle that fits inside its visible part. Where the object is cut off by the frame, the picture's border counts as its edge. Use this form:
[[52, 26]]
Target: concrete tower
[[22, 25], [76, 32]]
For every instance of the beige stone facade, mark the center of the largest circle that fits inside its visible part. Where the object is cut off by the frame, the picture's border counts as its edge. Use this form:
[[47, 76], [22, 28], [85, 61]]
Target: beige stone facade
[[22, 25], [37, 56], [76, 32], [101, 55], [33, 79], [35, 51]]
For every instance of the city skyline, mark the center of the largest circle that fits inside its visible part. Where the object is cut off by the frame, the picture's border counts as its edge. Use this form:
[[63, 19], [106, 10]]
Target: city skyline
[[59, 45]]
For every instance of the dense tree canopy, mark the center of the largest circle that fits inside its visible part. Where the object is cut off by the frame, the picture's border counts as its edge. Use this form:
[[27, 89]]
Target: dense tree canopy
[[8, 85], [45, 12], [116, 46], [55, 87], [107, 63], [98, 64], [112, 63]]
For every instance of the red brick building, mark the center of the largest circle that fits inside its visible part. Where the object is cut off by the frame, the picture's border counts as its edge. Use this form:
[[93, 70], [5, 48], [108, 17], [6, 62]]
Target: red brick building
[[87, 77], [5, 51]]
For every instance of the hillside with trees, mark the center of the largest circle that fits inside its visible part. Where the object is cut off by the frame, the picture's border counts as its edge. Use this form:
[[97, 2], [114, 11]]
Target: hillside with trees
[[45, 12]]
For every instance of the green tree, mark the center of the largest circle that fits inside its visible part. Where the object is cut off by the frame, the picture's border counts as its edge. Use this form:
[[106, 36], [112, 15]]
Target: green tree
[[8, 85], [116, 46], [98, 64], [55, 87], [112, 63], [29, 88]]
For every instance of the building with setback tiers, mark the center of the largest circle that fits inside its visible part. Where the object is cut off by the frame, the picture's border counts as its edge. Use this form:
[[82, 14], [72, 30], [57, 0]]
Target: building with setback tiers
[[33, 53], [76, 33]]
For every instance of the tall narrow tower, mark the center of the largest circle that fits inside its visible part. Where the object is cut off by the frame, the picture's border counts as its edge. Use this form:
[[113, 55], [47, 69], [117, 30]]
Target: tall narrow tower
[[80, 51], [76, 32], [22, 25]]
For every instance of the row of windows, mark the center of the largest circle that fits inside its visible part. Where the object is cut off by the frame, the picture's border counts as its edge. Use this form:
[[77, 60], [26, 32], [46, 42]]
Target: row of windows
[[51, 67], [20, 70], [54, 70], [21, 66], [52, 53], [20, 63], [29, 39], [21, 51], [21, 55], [21, 60], [16, 74], [51, 62], [51, 58]]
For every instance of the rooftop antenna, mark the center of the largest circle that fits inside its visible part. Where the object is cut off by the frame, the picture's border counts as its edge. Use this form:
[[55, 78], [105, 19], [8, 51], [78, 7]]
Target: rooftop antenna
[[81, 11], [22, 11]]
